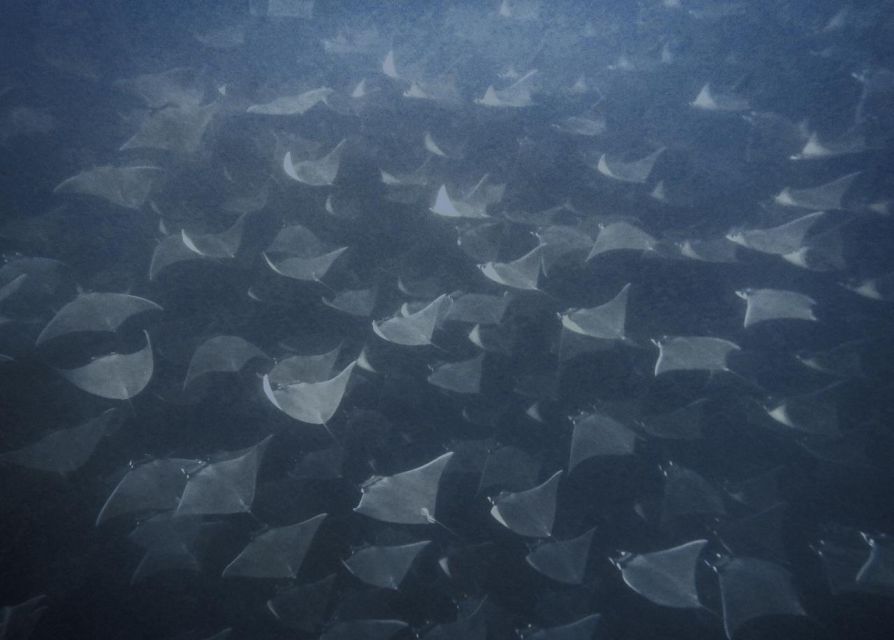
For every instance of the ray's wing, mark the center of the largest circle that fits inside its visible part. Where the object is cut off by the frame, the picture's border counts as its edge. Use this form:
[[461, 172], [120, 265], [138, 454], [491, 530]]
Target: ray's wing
[[693, 353], [665, 577], [384, 567], [150, 487], [583, 629], [606, 322], [459, 377], [311, 402], [366, 629], [416, 329], [751, 589], [597, 435], [224, 354], [522, 273], [529, 513], [405, 498], [563, 560], [775, 304], [223, 487], [95, 312], [115, 376], [276, 553], [64, 451]]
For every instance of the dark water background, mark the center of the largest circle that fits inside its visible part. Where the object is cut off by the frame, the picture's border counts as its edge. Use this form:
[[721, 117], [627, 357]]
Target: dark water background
[[48, 542]]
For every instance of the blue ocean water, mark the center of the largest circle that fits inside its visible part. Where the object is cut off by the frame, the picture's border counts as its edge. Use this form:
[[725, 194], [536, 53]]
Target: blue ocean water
[[267, 260]]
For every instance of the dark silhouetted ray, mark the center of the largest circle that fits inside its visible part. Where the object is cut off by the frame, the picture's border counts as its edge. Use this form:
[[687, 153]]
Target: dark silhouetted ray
[[66, 450], [515, 96], [481, 242], [842, 361], [292, 105], [751, 589], [718, 250], [879, 288], [877, 573], [665, 577], [223, 487], [522, 10], [492, 338], [221, 354], [311, 402], [316, 173], [222, 38], [221, 245], [841, 563], [296, 240], [310, 269], [687, 493], [529, 513], [469, 625], [522, 273], [459, 377], [415, 329], [563, 560], [168, 544], [583, 629], [595, 435], [365, 629], [384, 567], [409, 497], [684, 423], [179, 129], [248, 203], [276, 553], [709, 100], [784, 239], [169, 251], [9, 289], [153, 486], [303, 607], [758, 492], [561, 244], [637, 171], [621, 236], [695, 353], [177, 86], [388, 65], [355, 302], [448, 207], [320, 464], [508, 468], [127, 187], [586, 125], [775, 304], [95, 312], [115, 376], [820, 252], [606, 322], [478, 308], [290, 9], [17, 622], [759, 534], [572, 344], [484, 193], [302, 368], [823, 197], [814, 413], [816, 149], [32, 281]]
